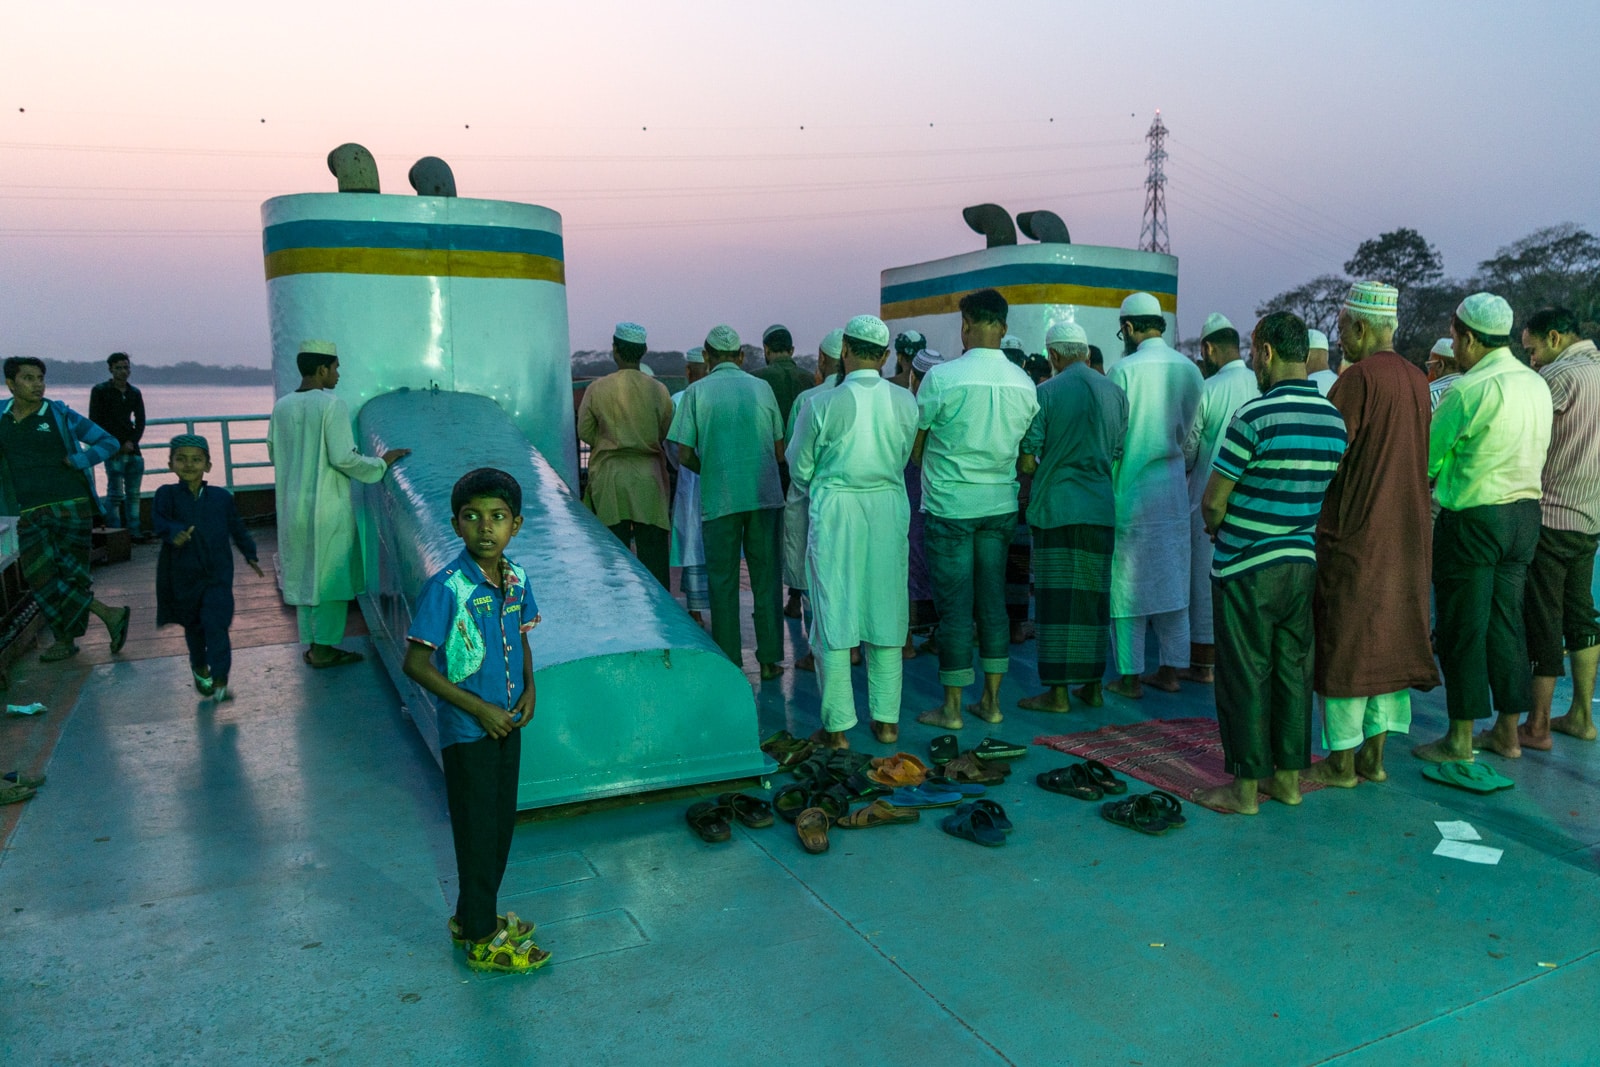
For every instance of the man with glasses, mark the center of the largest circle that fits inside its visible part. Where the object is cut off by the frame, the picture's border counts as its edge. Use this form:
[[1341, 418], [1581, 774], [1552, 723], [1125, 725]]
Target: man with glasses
[[1442, 371]]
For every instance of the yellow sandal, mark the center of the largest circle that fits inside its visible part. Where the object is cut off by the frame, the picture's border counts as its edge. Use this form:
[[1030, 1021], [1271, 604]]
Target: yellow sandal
[[516, 929], [500, 953]]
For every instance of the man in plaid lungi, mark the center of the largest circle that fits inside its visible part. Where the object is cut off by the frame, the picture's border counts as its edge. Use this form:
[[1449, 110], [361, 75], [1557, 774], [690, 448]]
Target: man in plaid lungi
[[46, 450]]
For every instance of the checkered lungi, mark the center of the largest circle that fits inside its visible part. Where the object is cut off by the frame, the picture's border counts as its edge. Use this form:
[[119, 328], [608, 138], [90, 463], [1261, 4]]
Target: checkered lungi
[[54, 540], [1072, 602]]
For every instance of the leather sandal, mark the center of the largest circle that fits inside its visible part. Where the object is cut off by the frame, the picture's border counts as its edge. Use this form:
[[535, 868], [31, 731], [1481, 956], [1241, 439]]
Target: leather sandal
[[812, 829]]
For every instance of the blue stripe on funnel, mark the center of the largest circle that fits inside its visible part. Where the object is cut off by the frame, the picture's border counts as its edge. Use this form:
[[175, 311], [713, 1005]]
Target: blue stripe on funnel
[[338, 233]]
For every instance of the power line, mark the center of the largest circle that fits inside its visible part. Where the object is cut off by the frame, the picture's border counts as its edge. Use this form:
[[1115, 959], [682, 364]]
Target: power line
[[1153, 231]]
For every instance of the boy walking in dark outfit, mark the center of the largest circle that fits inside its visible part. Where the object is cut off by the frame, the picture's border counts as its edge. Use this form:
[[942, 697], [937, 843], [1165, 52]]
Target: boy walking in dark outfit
[[194, 576], [469, 648]]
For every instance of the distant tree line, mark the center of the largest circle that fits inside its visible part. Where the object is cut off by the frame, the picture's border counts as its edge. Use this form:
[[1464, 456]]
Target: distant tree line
[[80, 372], [1558, 265]]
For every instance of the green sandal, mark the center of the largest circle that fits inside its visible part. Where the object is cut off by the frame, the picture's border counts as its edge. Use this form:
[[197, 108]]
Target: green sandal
[[502, 954], [519, 930]]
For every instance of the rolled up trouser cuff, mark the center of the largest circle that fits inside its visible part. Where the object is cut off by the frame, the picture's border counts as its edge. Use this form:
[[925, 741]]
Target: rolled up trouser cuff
[[960, 678], [994, 666]]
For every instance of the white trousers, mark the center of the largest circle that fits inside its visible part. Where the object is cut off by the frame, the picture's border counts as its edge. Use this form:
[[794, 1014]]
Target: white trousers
[[1348, 721], [1172, 634], [884, 675]]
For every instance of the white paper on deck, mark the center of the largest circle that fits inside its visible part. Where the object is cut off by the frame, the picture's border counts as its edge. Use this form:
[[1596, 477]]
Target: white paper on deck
[[1457, 831], [1461, 850]]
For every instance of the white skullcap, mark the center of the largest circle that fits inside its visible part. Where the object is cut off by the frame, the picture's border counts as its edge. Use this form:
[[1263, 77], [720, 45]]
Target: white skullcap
[[910, 341], [695, 355], [1139, 306], [631, 332], [832, 344], [926, 360], [1316, 339], [319, 348], [1214, 322], [1487, 314], [868, 328], [645, 369], [723, 338], [1011, 343], [766, 335], [1444, 348], [1065, 333], [1373, 298]]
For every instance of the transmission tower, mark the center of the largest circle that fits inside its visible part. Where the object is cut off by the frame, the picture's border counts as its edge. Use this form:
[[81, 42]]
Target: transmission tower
[[1153, 232]]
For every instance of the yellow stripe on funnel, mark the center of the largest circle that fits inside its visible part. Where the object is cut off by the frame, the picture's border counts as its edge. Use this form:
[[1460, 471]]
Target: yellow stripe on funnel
[[433, 262]]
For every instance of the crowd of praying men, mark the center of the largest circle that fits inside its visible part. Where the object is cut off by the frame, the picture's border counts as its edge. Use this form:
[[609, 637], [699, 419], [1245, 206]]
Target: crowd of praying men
[[1292, 534]]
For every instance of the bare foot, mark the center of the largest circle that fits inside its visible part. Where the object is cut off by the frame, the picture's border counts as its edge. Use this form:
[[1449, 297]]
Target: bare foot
[[1494, 741], [1123, 687], [1165, 679], [1284, 787], [1324, 773], [1090, 694], [807, 662], [1229, 798], [791, 609], [769, 671], [910, 650], [1565, 724], [1052, 699], [1369, 765], [1537, 741], [1442, 751], [830, 739], [1197, 675], [887, 733], [941, 718], [986, 711], [855, 657]]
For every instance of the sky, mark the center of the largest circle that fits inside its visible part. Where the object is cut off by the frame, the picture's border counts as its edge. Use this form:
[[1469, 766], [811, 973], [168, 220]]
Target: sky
[[757, 163]]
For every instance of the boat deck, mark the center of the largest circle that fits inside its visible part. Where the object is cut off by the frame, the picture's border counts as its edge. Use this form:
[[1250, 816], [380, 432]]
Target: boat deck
[[268, 882]]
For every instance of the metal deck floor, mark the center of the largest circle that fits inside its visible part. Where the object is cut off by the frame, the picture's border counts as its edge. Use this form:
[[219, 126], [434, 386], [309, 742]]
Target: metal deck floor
[[268, 883]]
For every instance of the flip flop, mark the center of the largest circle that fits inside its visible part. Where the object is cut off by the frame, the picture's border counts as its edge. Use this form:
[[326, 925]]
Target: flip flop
[[710, 820], [1473, 777], [15, 794], [750, 811], [969, 768], [995, 812], [1073, 781], [1108, 782], [1136, 813], [790, 800], [878, 813], [119, 629], [976, 825], [26, 781], [900, 769], [58, 652], [943, 749], [860, 787], [341, 658], [1170, 807], [924, 796], [994, 748], [812, 829], [834, 801], [966, 789]]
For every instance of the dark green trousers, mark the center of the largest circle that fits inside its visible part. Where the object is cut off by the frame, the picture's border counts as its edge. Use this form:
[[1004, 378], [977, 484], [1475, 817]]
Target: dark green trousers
[[1264, 669], [649, 543], [755, 533]]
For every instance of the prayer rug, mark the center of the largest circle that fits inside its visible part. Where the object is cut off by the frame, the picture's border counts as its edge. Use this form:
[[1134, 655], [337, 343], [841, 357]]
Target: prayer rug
[[1178, 755]]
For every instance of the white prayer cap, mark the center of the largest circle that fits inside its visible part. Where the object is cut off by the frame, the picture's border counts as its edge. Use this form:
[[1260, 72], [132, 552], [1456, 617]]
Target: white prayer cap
[[319, 348], [723, 338], [1316, 339], [631, 332], [695, 355], [1011, 343], [1065, 333], [1486, 313], [1214, 322], [1444, 348], [910, 343], [926, 360], [868, 328], [1139, 306], [1373, 298], [832, 344], [766, 335], [645, 368]]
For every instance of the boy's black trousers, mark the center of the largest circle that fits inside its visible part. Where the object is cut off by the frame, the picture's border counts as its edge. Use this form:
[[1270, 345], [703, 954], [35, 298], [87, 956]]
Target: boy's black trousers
[[480, 784]]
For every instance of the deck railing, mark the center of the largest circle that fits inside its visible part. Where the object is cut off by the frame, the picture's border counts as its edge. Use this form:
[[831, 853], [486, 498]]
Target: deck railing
[[227, 461]]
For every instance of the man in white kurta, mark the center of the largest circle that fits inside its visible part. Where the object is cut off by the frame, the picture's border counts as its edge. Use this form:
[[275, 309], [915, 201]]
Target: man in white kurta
[[688, 550], [314, 457], [1232, 383], [1150, 564], [796, 504], [850, 449]]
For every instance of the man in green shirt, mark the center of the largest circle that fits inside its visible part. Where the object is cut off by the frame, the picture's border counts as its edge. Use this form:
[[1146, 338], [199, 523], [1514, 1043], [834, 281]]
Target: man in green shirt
[[729, 431], [1486, 454]]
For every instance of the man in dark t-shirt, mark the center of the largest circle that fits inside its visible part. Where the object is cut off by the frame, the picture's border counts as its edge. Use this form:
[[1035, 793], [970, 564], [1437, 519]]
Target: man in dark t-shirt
[[117, 407]]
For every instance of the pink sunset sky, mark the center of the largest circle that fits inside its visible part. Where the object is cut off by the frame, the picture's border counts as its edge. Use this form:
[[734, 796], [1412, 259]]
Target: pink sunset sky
[[758, 163]]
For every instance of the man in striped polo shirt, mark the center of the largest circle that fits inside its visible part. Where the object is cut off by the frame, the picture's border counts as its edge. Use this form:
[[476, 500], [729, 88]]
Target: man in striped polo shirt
[[1560, 602], [1261, 506]]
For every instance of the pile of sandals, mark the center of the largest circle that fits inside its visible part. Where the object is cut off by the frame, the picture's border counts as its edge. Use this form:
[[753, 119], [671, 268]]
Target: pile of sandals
[[1152, 813]]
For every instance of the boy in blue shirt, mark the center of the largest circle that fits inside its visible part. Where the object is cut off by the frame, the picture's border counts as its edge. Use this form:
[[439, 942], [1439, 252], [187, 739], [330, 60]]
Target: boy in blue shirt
[[469, 648], [194, 576]]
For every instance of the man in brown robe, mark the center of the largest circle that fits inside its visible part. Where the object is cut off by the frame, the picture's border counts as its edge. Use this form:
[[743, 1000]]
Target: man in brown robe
[[1374, 547]]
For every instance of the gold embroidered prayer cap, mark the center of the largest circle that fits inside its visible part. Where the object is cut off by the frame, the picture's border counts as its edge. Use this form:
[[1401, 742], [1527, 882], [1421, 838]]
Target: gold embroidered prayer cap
[[1140, 306], [1444, 348], [868, 328], [723, 338], [319, 348], [1486, 313], [1214, 322], [1065, 333], [1316, 340], [631, 332], [695, 355], [1373, 298], [832, 344]]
